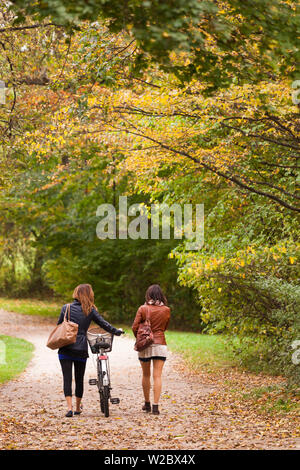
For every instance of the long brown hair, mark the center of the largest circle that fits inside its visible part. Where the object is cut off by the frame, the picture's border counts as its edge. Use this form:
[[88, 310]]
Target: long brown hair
[[85, 294], [155, 293]]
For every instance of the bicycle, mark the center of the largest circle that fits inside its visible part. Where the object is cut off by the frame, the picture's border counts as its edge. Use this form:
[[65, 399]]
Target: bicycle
[[101, 344]]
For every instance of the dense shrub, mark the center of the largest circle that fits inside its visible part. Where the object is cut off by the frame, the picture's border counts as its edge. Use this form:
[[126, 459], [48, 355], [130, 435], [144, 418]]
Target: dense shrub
[[247, 283]]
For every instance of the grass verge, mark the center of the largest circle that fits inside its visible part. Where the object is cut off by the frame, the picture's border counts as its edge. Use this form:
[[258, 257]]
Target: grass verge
[[31, 307], [15, 354], [201, 351]]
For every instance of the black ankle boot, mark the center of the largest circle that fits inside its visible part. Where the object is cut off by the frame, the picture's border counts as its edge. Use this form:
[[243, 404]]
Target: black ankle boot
[[147, 407], [155, 410]]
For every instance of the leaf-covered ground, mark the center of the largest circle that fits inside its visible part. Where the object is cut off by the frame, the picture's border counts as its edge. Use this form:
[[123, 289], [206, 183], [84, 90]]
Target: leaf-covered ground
[[198, 411]]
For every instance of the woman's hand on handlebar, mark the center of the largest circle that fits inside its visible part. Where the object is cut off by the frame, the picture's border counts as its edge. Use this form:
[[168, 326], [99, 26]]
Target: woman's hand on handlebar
[[120, 332]]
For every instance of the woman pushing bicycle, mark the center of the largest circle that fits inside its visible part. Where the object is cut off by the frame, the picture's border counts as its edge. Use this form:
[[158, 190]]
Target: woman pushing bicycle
[[156, 310], [82, 312]]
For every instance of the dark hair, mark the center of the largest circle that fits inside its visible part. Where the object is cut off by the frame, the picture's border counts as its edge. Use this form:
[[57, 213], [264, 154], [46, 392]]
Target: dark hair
[[155, 293]]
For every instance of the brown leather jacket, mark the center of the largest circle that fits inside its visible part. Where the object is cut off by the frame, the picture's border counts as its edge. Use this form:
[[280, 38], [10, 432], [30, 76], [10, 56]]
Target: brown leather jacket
[[159, 319]]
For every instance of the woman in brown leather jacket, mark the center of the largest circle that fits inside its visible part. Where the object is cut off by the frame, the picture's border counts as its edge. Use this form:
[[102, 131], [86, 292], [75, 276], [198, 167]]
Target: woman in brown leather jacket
[[159, 313]]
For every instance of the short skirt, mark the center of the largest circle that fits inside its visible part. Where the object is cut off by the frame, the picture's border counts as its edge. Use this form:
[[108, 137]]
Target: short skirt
[[155, 351]]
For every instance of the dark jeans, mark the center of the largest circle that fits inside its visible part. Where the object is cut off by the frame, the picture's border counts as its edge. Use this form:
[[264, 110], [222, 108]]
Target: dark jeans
[[79, 366]]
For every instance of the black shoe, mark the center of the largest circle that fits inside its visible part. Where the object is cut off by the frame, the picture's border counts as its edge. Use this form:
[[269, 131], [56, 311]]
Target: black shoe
[[147, 407], [155, 410], [69, 414]]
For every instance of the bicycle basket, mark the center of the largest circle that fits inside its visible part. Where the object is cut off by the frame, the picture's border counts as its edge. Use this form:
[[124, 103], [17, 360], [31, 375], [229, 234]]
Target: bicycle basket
[[97, 337]]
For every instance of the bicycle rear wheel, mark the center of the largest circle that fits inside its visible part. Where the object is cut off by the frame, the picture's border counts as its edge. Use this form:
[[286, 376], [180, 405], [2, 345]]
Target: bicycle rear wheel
[[100, 386], [106, 394], [101, 401]]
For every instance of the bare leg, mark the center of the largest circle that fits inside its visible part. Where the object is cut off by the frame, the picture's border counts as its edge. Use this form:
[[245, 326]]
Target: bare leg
[[69, 403], [146, 379], [78, 402], [157, 371]]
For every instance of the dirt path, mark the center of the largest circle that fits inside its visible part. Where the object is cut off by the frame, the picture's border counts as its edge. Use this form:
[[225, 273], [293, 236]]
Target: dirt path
[[194, 413]]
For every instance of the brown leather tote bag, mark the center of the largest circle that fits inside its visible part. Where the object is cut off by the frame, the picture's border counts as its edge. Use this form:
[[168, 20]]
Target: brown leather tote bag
[[63, 334], [144, 337]]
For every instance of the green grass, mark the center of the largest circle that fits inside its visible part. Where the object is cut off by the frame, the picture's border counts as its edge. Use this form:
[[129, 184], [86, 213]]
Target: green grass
[[16, 354], [200, 350], [31, 307]]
